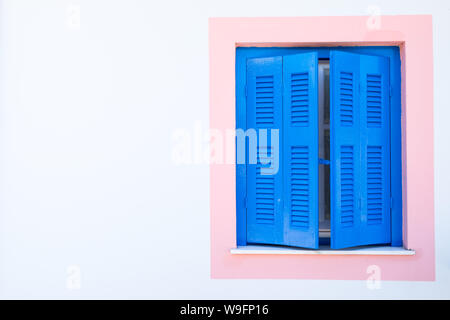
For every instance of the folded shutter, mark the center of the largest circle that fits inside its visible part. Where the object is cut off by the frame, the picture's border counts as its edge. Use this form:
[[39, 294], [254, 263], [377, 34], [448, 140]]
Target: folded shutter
[[300, 150], [360, 150], [264, 189]]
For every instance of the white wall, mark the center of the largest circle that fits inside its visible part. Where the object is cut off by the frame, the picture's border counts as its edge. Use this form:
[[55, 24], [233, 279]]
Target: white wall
[[86, 117]]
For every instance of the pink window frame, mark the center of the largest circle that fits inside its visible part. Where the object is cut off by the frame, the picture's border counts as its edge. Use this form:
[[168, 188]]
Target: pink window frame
[[413, 34]]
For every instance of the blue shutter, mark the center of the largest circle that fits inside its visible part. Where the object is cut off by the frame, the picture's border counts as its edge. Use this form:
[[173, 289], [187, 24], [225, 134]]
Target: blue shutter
[[264, 189], [300, 150], [282, 206], [360, 150]]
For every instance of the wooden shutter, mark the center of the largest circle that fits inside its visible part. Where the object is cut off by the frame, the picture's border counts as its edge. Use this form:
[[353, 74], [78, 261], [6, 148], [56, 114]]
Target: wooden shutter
[[360, 150], [282, 207], [264, 112], [300, 150]]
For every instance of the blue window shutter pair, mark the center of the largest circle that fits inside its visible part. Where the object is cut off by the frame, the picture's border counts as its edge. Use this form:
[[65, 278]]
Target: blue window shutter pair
[[282, 204]]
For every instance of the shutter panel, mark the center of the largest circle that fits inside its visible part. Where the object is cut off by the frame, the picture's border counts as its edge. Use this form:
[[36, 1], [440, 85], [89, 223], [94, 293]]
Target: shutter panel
[[264, 189], [375, 147], [300, 150], [360, 150]]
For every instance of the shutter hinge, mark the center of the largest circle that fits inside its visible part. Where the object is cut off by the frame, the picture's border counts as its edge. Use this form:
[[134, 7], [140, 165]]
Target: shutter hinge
[[391, 202], [246, 91], [390, 90], [246, 202]]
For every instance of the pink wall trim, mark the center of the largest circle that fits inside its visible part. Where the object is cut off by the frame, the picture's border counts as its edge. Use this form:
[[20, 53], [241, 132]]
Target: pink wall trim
[[414, 36]]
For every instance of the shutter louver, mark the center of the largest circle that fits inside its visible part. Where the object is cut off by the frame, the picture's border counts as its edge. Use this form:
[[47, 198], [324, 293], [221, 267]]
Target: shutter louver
[[347, 186]]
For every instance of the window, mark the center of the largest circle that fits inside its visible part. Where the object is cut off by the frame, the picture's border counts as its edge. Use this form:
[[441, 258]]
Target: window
[[408, 44], [322, 131]]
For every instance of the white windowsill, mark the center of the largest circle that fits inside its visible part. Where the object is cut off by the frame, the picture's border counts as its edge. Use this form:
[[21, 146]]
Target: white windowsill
[[324, 250]]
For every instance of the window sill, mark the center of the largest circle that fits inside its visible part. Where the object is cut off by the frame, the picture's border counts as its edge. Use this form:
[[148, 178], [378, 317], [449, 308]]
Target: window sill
[[324, 250]]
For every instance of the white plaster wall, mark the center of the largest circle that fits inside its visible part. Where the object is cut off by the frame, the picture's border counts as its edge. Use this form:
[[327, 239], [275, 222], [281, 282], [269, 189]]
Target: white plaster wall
[[86, 177]]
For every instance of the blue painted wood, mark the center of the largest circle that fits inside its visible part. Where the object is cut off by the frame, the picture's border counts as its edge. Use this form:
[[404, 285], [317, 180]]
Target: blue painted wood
[[300, 150], [392, 53], [241, 168], [264, 179], [344, 148], [396, 150], [360, 150]]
